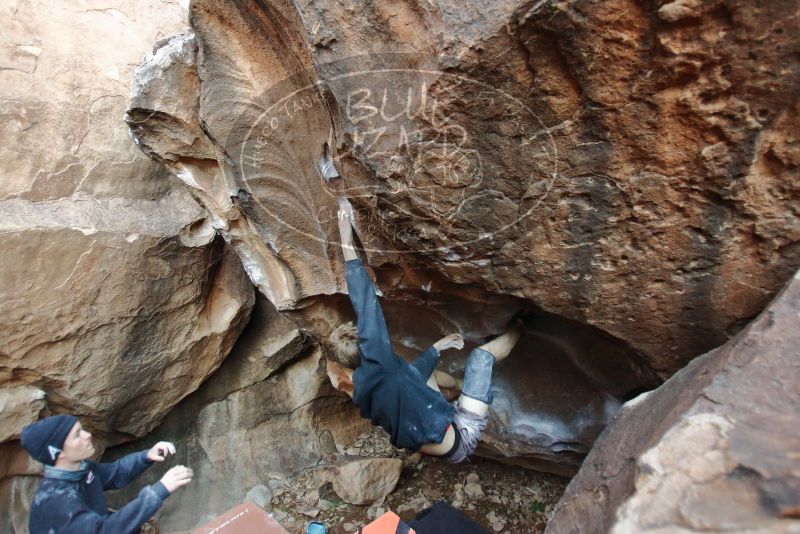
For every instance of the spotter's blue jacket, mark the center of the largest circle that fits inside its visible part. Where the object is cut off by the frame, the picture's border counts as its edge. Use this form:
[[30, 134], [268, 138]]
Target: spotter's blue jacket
[[72, 502]]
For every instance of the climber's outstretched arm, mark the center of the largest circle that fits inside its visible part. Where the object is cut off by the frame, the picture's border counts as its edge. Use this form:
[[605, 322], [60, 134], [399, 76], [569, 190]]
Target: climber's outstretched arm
[[373, 336], [345, 216]]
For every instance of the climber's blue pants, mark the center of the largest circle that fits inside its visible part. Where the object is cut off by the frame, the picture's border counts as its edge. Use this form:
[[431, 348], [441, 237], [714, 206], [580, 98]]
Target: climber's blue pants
[[468, 425], [478, 376]]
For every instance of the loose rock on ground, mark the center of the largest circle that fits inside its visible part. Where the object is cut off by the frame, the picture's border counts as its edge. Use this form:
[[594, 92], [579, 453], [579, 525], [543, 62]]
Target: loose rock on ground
[[501, 498]]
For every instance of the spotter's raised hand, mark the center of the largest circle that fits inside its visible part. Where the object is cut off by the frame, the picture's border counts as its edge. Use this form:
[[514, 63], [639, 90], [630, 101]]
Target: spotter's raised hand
[[160, 451]]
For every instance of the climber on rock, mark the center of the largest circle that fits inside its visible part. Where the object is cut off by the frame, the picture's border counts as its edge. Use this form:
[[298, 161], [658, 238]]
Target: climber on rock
[[402, 397], [70, 500]]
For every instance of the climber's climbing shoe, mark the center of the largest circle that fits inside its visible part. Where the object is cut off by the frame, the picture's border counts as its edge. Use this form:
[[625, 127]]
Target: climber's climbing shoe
[[315, 527]]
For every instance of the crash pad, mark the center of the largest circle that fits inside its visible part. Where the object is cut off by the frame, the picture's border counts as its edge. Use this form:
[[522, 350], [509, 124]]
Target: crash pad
[[388, 523], [247, 518]]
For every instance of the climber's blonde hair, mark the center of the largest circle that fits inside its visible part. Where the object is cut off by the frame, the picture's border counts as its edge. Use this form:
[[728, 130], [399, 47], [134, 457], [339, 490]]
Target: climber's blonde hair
[[345, 345]]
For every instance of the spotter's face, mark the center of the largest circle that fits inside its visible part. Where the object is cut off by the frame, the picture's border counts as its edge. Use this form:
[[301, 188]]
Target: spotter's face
[[78, 445]]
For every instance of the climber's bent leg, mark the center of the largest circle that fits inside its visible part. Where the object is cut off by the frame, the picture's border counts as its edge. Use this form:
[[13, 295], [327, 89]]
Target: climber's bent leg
[[472, 408], [501, 346], [478, 377], [440, 379]]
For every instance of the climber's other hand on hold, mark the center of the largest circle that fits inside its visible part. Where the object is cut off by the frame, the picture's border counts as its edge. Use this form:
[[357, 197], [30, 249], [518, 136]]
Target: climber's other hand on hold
[[345, 217], [345, 226], [344, 212], [453, 341]]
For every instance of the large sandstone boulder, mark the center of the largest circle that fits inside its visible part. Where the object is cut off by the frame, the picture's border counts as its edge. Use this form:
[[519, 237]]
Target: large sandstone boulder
[[622, 164], [624, 171], [117, 299], [512, 147], [119, 334], [714, 449], [420, 306]]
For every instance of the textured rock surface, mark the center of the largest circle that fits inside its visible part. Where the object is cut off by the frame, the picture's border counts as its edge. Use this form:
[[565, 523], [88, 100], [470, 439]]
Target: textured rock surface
[[267, 412], [116, 298], [628, 165], [653, 167], [113, 270], [713, 449], [172, 310], [16, 502], [173, 94], [19, 406]]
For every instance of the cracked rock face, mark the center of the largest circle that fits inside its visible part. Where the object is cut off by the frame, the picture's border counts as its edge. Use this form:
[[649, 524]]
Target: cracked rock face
[[115, 300], [719, 448]]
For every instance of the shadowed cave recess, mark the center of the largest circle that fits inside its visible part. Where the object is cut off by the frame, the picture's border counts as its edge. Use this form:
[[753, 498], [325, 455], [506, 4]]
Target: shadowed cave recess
[[553, 395]]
